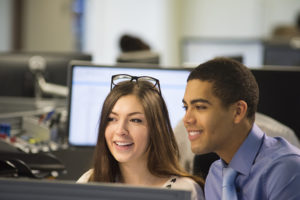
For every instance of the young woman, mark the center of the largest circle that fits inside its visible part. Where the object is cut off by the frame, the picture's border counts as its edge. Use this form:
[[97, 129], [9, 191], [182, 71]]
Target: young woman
[[136, 144]]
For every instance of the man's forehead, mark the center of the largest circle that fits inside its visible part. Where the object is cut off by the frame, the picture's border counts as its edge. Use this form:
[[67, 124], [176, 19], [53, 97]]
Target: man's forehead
[[198, 91], [196, 88]]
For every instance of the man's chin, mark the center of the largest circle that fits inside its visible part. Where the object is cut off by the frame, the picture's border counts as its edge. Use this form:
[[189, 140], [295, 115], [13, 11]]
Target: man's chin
[[198, 150]]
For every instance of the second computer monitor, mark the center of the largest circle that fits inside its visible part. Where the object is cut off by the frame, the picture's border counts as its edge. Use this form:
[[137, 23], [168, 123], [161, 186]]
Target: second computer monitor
[[90, 84]]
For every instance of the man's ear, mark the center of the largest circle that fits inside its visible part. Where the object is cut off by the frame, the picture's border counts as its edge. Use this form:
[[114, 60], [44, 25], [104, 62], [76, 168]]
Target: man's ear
[[241, 108]]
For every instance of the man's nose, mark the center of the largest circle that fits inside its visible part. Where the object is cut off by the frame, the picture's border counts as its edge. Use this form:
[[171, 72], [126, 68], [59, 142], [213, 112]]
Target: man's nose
[[188, 117]]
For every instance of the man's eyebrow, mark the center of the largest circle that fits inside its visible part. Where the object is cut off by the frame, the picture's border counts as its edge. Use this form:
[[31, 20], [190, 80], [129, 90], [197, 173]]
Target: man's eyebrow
[[197, 101]]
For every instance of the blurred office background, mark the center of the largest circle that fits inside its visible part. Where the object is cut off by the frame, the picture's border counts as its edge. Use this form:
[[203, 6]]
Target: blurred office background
[[180, 31], [184, 33]]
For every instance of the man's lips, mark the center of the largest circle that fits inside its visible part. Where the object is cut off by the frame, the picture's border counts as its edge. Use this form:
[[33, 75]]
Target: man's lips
[[193, 134]]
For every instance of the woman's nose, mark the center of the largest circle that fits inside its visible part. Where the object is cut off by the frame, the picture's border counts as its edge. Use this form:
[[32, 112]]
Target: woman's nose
[[122, 128]]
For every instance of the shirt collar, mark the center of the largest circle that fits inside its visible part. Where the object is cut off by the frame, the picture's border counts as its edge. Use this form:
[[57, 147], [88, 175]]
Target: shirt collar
[[243, 159]]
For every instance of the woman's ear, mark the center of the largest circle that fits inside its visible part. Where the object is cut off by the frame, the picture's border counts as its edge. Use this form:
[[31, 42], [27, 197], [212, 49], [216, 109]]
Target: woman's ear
[[241, 108]]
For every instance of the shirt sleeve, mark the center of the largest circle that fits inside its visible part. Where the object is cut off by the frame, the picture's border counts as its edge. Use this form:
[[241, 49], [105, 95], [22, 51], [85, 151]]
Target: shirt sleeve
[[283, 179]]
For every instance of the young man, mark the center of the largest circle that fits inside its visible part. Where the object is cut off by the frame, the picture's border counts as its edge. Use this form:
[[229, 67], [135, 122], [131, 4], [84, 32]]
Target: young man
[[221, 99]]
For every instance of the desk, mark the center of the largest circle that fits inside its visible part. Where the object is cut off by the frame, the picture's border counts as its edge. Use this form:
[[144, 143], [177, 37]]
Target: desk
[[76, 160]]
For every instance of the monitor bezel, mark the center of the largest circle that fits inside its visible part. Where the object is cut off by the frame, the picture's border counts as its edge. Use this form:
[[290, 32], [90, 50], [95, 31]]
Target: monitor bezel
[[33, 189]]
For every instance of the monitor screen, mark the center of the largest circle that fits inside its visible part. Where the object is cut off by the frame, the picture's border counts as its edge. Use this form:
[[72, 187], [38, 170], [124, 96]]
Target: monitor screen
[[90, 84], [281, 53], [278, 94], [32, 189]]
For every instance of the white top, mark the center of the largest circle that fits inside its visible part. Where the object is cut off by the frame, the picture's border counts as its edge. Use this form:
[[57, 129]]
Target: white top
[[175, 182]]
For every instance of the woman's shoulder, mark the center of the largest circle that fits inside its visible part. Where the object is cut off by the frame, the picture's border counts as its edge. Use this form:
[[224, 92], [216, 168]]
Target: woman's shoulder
[[180, 182], [85, 177], [185, 183]]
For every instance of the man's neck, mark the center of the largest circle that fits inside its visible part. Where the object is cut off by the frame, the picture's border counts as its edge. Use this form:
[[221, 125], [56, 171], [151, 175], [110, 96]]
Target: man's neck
[[239, 135]]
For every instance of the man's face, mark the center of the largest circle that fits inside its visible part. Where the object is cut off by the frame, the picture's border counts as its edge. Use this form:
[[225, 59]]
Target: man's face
[[208, 122]]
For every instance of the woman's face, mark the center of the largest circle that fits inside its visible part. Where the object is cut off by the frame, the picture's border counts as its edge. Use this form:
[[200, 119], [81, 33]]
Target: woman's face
[[127, 133]]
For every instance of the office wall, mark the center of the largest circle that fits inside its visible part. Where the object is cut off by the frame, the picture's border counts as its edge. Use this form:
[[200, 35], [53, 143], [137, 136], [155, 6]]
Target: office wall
[[235, 18], [279, 12], [48, 26], [213, 28], [163, 23], [107, 20], [5, 25], [222, 19]]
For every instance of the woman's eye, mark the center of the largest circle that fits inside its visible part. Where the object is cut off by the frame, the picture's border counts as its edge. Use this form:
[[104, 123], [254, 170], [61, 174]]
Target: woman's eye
[[136, 120], [110, 119]]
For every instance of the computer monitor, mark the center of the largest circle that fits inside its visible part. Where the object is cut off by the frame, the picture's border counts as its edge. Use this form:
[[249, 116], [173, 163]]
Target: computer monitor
[[90, 84], [279, 94], [32, 189], [282, 53], [198, 50], [16, 78]]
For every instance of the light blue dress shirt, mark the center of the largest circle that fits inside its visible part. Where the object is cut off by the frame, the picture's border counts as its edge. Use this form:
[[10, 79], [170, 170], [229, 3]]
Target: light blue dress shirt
[[268, 168]]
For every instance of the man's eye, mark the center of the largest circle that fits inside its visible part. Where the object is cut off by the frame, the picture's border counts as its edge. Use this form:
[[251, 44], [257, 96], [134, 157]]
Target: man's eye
[[185, 107], [200, 107]]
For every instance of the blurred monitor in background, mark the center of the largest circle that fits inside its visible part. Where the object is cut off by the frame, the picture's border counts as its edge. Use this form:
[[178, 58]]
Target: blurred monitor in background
[[282, 52], [277, 96], [283, 48], [201, 49], [18, 79]]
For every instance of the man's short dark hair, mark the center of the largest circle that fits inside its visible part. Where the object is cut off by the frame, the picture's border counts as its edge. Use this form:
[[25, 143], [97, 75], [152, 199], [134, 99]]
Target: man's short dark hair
[[232, 81]]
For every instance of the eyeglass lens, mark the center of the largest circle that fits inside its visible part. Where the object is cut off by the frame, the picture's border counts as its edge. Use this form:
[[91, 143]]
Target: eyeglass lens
[[117, 79], [121, 78]]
